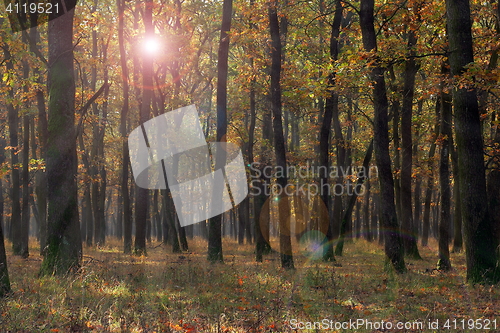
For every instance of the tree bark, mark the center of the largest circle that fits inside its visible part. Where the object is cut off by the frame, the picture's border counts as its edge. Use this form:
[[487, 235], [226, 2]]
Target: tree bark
[[64, 247], [141, 208], [127, 221], [25, 174], [417, 198], [444, 177], [214, 232], [13, 120], [480, 241], [411, 68], [279, 141], [388, 218], [366, 213], [457, 216], [331, 107], [4, 272]]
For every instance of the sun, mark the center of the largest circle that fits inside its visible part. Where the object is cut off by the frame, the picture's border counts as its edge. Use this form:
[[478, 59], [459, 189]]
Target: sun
[[151, 45]]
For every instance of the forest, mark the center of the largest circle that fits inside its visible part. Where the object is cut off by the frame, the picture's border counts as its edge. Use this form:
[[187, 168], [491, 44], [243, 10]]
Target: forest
[[249, 166]]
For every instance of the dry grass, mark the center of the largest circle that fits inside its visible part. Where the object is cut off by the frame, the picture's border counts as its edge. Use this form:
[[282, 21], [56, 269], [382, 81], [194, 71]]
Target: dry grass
[[164, 292]]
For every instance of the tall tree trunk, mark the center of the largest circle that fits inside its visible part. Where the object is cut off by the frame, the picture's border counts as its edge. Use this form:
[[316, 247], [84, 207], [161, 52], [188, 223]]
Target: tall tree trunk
[[480, 241], [493, 179], [444, 176], [157, 216], [4, 272], [25, 174], [64, 247], [331, 107], [418, 178], [13, 120], [366, 213], [374, 217], [214, 231], [250, 146], [411, 68], [141, 208], [457, 212], [429, 188], [93, 171], [261, 224], [99, 142], [397, 153], [127, 221], [279, 140], [388, 218], [243, 219], [493, 182], [357, 220], [40, 175]]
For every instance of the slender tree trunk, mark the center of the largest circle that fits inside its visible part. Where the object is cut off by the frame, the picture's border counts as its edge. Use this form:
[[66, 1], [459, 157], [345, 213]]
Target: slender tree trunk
[[157, 216], [141, 208], [366, 213], [261, 224], [94, 187], [418, 179], [279, 141], [435, 215], [4, 272], [171, 217], [214, 234], [40, 175], [493, 182], [182, 236], [243, 219], [429, 188], [331, 107], [480, 241], [493, 178], [13, 120], [444, 176], [374, 217], [457, 213], [64, 247], [357, 220], [25, 174], [127, 221], [388, 218], [397, 154], [411, 68], [250, 147]]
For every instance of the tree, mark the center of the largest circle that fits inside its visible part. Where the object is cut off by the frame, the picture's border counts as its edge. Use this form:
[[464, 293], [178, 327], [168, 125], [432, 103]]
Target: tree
[[4, 272], [279, 141], [127, 221], [214, 227], [13, 121], [480, 241], [64, 248], [444, 176], [331, 107], [388, 218], [411, 68], [142, 199]]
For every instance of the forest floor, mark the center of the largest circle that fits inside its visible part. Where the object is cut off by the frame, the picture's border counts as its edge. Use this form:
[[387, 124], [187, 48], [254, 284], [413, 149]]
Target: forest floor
[[167, 292]]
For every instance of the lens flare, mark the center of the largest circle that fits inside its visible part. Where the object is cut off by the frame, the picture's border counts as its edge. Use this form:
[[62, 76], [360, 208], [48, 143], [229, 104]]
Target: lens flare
[[151, 45]]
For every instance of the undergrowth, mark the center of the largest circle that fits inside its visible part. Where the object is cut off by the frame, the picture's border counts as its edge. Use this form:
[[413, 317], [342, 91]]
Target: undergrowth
[[166, 292]]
